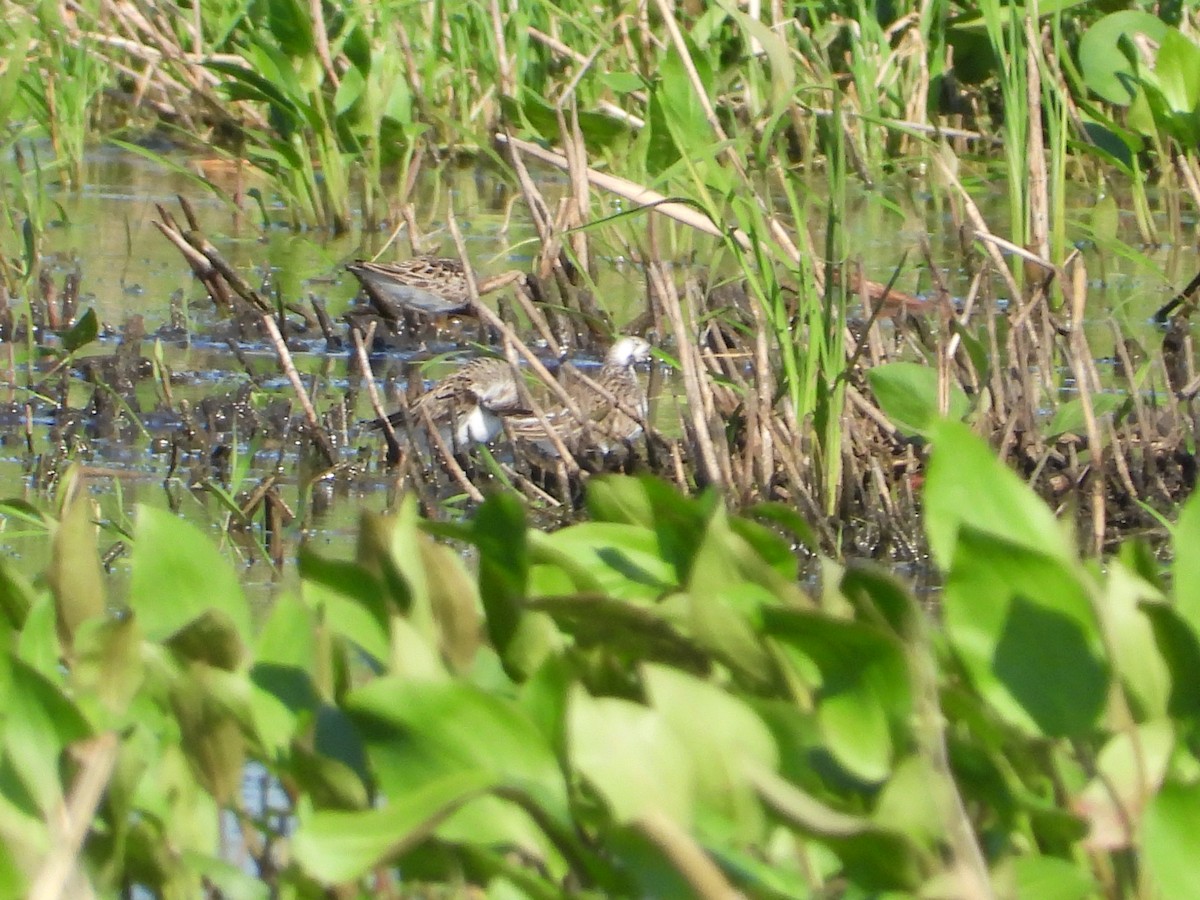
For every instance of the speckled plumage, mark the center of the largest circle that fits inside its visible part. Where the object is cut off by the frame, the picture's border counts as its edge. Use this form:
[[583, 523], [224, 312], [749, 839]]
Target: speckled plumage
[[428, 284], [468, 404], [431, 285], [608, 424]]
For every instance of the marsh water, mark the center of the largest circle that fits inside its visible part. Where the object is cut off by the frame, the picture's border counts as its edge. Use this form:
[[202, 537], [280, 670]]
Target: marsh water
[[128, 269]]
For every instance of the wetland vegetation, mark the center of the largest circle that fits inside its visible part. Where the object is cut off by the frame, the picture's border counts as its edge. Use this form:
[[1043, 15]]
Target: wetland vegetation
[[677, 664]]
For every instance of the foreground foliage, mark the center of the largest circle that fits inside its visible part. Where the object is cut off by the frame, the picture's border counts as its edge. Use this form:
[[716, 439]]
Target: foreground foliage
[[644, 704]]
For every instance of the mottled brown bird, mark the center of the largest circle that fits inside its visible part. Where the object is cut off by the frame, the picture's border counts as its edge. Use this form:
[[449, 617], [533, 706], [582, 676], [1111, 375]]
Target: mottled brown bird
[[432, 285], [606, 424], [468, 404]]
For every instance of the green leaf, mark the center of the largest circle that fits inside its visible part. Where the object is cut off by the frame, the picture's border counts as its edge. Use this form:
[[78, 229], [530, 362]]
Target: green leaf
[[620, 498], [453, 598], [212, 737], [1169, 840], [874, 857], [864, 693], [1024, 625], [1138, 660], [1177, 71], [966, 485], [631, 756], [349, 600], [335, 847], [419, 731], [499, 531], [178, 577], [1106, 71], [40, 722], [722, 735], [1069, 417], [226, 879], [620, 561], [908, 395], [1186, 570], [1050, 878], [108, 661], [74, 573], [83, 332], [1179, 647]]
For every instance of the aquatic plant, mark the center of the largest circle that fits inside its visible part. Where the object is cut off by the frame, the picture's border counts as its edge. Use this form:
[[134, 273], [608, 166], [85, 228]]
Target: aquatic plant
[[647, 701]]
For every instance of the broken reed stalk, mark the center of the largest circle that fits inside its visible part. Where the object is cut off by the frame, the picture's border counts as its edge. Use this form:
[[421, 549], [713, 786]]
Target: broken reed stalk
[[364, 368], [697, 390], [447, 457], [72, 820], [320, 438]]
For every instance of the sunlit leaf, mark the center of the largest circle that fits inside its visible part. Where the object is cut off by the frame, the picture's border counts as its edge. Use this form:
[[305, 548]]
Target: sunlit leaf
[[419, 731], [908, 395], [1169, 840], [722, 736], [1186, 568], [631, 756], [74, 574], [1024, 625], [178, 576], [967, 485], [336, 847], [1106, 70]]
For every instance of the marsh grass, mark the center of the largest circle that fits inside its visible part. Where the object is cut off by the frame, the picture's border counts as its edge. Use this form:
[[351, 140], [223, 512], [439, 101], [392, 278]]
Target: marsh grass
[[751, 132]]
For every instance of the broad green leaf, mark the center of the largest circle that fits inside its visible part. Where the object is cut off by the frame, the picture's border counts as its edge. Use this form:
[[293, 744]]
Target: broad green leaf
[[1177, 71], [722, 736], [632, 756], [967, 485], [1186, 569], [499, 531], [417, 732], [638, 631], [212, 738], [108, 661], [74, 573], [178, 576], [620, 498], [349, 600], [40, 722], [1130, 633], [618, 560], [16, 595], [1069, 416], [226, 878], [1179, 647], [724, 558], [1169, 840], [873, 857], [1023, 624], [864, 693], [783, 69], [1050, 878], [83, 332], [335, 847], [1107, 72], [454, 601], [908, 395]]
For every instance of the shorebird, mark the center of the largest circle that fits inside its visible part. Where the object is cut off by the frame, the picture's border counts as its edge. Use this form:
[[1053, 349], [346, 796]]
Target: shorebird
[[433, 285], [606, 424], [467, 405]]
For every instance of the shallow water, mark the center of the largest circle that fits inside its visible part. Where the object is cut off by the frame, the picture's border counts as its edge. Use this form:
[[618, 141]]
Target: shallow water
[[128, 268]]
